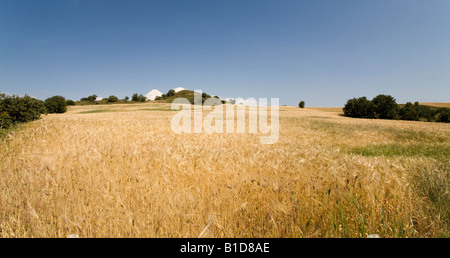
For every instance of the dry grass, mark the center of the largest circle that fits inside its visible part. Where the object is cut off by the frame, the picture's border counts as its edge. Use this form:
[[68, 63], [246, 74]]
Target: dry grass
[[436, 104], [327, 109], [126, 174]]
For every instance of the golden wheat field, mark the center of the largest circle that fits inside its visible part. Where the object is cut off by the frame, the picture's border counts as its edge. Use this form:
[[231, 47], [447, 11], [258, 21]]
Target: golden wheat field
[[436, 104], [120, 171]]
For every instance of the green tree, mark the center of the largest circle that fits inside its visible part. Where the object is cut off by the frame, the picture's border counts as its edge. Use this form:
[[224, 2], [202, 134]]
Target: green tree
[[113, 98], [70, 102], [56, 104], [91, 98], [385, 107], [22, 109], [170, 93], [142, 98], [359, 107], [443, 115], [5, 120], [425, 113], [126, 98], [409, 112], [135, 97], [301, 104]]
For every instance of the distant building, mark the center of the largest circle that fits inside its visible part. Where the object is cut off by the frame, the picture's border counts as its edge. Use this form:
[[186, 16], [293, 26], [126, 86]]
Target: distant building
[[178, 89], [98, 99], [153, 94]]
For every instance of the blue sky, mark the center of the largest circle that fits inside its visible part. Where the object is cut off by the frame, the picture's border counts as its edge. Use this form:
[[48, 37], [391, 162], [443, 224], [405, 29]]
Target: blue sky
[[320, 51]]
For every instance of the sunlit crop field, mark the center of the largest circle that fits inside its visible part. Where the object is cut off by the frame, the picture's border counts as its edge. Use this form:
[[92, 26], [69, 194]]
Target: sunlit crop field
[[120, 171]]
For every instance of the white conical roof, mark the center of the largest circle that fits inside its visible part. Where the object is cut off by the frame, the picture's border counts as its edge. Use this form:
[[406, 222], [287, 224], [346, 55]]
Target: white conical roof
[[153, 94]]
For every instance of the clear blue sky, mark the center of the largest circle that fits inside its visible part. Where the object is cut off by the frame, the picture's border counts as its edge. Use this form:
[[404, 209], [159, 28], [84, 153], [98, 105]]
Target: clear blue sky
[[320, 51]]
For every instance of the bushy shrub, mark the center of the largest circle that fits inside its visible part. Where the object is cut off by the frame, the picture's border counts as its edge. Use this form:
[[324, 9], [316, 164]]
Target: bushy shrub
[[359, 107], [301, 104], [91, 98], [113, 98], [135, 97], [138, 97], [418, 112], [443, 115], [170, 93], [56, 104], [425, 113], [70, 102], [5, 120], [205, 95], [385, 107], [22, 109], [409, 112]]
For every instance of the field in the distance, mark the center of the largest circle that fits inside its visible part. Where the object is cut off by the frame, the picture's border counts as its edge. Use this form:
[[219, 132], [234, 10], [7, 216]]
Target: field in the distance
[[120, 171], [436, 104]]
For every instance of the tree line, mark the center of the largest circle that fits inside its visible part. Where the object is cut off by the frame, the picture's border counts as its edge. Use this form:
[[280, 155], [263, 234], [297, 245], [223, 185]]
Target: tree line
[[93, 99], [15, 109], [386, 107]]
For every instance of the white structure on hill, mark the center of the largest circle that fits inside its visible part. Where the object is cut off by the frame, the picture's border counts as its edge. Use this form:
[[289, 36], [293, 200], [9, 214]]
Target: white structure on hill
[[98, 99], [153, 94], [178, 89]]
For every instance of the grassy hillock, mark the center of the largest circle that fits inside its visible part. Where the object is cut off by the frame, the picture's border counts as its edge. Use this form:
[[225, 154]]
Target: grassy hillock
[[187, 94]]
